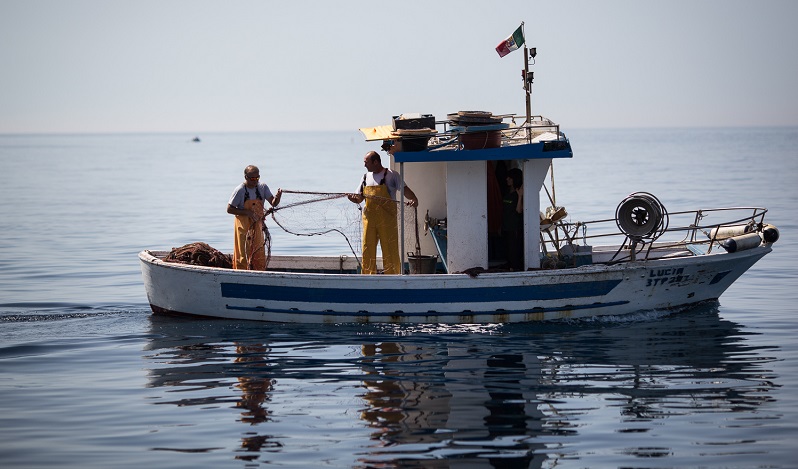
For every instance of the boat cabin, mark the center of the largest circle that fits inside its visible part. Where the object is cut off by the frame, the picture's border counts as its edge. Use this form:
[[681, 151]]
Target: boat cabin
[[450, 170]]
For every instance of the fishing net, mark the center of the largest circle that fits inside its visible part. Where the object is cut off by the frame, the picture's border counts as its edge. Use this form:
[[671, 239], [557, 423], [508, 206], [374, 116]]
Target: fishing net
[[199, 254], [302, 213], [331, 214]]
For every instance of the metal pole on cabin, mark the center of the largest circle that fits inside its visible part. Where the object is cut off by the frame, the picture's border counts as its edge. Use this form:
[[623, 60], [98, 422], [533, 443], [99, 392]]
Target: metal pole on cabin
[[527, 87], [402, 208]]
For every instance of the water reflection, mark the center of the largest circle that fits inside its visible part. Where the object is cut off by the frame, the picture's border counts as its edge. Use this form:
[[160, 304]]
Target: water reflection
[[456, 399], [255, 386], [520, 395], [200, 363]]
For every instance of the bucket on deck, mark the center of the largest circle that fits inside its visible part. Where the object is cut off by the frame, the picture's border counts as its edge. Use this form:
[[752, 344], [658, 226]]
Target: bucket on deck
[[422, 264]]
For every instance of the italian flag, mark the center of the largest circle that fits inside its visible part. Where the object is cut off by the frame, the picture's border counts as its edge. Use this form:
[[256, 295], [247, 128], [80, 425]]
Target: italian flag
[[511, 43]]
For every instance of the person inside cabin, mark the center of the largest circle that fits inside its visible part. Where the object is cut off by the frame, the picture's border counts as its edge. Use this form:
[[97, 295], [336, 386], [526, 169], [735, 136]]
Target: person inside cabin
[[378, 189], [247, 203], [513, 220], [494, 198]]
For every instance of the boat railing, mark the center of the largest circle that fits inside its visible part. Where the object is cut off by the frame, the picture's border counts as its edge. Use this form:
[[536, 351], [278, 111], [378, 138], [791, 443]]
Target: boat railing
[[517, 131], [684, 233], [529, 130]]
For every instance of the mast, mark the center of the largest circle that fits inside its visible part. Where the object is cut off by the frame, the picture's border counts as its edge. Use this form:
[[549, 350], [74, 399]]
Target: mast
[[527, 85], [528, 77]]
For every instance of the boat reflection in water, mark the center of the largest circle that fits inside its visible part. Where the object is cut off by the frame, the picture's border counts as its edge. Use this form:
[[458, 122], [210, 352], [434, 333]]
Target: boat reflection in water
[[465, 401], [437, 396]]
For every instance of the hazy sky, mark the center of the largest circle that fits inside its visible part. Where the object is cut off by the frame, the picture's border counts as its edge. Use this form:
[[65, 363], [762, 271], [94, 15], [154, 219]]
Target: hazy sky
[[243, 65]]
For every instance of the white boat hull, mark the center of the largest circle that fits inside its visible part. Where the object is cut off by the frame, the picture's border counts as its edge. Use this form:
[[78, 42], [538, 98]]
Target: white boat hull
[[302, 297]]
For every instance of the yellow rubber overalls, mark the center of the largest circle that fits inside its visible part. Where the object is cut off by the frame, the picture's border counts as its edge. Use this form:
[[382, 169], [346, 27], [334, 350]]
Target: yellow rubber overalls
[[379, 225], [250, 245]]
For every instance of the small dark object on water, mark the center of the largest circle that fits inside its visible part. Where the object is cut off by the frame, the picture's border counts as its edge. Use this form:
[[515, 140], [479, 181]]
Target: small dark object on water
[[199, 254]]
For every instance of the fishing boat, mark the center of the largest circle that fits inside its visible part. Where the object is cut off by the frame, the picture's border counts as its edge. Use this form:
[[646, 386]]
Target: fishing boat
[[642, 258]]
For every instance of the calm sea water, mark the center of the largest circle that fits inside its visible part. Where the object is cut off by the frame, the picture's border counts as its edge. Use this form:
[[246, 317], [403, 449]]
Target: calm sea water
[[89, 378]]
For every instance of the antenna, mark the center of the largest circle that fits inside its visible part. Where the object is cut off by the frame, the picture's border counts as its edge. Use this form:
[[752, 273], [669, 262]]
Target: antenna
[[528, 77]]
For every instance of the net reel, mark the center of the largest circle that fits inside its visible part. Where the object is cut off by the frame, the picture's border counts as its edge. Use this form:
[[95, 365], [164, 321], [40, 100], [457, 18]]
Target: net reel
[[642, 218]]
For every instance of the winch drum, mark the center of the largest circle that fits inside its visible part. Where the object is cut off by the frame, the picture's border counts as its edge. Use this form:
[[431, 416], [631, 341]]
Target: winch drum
[[639, 216]]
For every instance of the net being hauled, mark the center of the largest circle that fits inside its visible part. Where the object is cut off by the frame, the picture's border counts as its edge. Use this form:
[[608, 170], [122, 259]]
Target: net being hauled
[[303, 213]]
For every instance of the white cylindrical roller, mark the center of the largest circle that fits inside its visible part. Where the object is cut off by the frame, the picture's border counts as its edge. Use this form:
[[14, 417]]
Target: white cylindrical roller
[[723, 232], [741, 243]]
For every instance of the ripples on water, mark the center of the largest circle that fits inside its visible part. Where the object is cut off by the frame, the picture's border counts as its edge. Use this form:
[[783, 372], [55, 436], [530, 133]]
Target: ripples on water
[[614, 391], [687, 388]]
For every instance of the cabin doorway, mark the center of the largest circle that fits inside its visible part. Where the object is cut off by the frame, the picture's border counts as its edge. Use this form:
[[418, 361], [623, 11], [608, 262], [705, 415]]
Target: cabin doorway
[[505, 223]]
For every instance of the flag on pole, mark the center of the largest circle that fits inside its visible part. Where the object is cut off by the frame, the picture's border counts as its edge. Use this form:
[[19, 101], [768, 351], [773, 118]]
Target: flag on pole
[[511, 43]]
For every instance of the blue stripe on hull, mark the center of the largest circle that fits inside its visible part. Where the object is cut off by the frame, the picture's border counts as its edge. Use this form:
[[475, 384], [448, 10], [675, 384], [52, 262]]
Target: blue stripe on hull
[[418, 295], [427, 313]]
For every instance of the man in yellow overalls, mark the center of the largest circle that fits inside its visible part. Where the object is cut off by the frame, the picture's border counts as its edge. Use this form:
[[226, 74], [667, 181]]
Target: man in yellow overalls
[[247, 204], [378, 189]]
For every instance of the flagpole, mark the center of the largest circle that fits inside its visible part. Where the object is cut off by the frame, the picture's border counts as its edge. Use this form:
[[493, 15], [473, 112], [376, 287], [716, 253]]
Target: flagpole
[[527, 81]]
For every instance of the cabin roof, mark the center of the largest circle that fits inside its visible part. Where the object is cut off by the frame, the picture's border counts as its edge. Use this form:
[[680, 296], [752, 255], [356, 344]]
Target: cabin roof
[[526, 151], [537, 138]]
